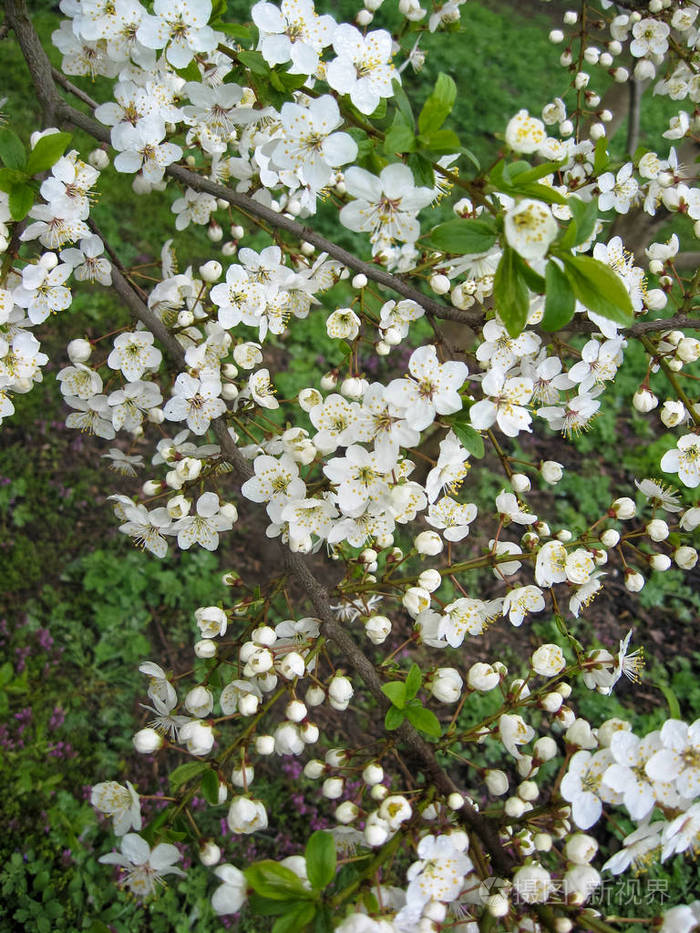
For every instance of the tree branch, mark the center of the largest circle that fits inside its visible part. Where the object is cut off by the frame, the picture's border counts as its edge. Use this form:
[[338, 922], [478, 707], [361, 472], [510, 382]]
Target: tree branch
[[420, 752]]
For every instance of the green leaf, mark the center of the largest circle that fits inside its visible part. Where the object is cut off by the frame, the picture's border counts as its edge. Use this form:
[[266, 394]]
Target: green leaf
[[396, 692], [320, 859], [533, 174], [424, 720], [463, 237], [242, 33], [274, 881], [296, 920], [190, 72], [422, 170], [438, 106], [469, 438], [186, 772], [6, 673], [323, 921], [364, 143], [393, 719], [255, 62], [20, 201], [559, 302], [534, 281], [601, 159], [210, 787], [403, 103], [585, 216], [400, 136], [510, 293], [11, 149], [10, 177], [674, 708], [540, 193], [440, 141], [263, 907], [47, 152], [413, 682], [472, 158], [598, 288]]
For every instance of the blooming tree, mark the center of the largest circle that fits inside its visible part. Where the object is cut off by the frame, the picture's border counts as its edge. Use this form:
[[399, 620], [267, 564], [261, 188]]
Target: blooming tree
[[253, 126]]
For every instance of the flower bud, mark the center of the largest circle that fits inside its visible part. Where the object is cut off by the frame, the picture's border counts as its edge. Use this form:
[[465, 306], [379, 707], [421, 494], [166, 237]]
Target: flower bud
[[315, 695], [79, 350], [483, 677], [514, 807], [644, 400], [581, 849], [446, 685], [347, 812], [545, 748], [373, 774], [415, 600], [378, 629], [209, 853], [205, 648], [634, 581], [99, 159], [147, 741], [199, 701], [610, 538], [657, 529], [551, 471], [428, 543], [685, 557], [440, 284], [496, 782], [520, 482], [624, 508], [295, 711], [264, 744], [430, 580], [332, 788], [210, 271], [340, 692]]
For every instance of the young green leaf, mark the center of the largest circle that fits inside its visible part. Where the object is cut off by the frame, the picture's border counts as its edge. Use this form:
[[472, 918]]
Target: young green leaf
[[403, 103], [47, 152], [210, 787], [585, 215], [393, 719], [602, 158], [437, 107], [470, 439], [534, 174], [320, 859], [298, 919], [400, 136], [422, 170], [559, 301], [275, 881], [462, 237], [510, 293], [186, 772], [11, 177], [598, 288], [20, 201], [424, 720], [396, 692], [11, 149], [413, 682], [440, 141]]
